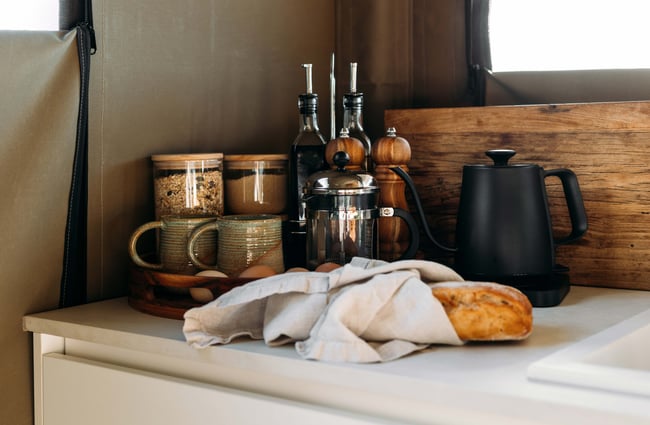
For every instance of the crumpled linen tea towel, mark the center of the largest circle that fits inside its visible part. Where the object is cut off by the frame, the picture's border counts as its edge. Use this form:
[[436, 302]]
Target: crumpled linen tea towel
[[366, 311]]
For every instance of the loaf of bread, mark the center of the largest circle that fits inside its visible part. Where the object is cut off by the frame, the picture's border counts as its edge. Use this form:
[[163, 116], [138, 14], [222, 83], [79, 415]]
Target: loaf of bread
[[484, 311]]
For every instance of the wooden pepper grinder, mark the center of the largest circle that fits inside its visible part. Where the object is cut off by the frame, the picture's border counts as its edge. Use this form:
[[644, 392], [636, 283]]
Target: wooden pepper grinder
[[351, 145], [391, 151]]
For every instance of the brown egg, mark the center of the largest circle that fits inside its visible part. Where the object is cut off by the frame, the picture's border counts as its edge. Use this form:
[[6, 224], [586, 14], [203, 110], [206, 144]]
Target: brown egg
[[212, 273], [327, 267], [258, 271], [296, 270], [201, 295]]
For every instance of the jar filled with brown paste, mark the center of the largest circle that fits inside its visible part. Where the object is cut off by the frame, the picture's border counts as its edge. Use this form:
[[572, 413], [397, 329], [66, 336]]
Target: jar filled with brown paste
[[255, 184]]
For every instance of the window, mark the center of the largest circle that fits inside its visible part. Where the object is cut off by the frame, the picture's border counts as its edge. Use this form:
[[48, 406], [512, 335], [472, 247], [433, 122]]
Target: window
[[556, 35], [29, 15]]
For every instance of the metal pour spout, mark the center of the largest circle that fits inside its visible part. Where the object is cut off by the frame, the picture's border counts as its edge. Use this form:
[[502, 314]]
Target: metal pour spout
[[308, 77], [353, 77]]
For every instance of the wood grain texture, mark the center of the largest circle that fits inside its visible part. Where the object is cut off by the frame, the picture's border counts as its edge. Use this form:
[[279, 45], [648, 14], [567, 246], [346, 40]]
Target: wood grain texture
[[394, 235], [607, 145]]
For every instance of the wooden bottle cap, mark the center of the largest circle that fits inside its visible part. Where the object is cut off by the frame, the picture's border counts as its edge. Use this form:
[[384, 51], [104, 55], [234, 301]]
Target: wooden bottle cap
[[391, 149], [351, 145]]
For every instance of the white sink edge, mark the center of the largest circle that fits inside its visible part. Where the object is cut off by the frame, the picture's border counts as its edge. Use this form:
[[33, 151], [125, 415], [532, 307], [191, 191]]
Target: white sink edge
[[570, 366], [591, 376]]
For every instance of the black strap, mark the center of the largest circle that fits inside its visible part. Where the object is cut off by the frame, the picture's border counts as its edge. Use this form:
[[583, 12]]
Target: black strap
[[73, 278], [88, 22], [477, 47]]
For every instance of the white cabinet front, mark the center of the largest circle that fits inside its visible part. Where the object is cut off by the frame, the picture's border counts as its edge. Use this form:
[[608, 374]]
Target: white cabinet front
[[77, 391]]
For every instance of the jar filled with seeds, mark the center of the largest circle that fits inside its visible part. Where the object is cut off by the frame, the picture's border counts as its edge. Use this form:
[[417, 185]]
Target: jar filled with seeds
[[188, 184]]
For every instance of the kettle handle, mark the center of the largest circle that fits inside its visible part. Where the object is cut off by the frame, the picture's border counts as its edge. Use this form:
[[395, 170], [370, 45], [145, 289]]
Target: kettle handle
[[574, 203], [414, 240]]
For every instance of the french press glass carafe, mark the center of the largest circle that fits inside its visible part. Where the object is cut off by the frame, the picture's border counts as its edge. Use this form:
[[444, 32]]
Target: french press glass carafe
[[342, 212]]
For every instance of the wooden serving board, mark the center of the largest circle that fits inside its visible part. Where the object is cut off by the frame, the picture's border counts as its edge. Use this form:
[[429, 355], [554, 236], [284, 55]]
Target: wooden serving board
[[606, 144], [168, 295]]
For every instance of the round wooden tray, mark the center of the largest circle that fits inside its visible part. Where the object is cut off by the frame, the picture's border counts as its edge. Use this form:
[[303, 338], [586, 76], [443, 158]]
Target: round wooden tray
[[167, 295]]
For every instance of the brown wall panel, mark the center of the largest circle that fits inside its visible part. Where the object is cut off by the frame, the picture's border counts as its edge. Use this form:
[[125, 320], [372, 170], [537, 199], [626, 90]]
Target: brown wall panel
[[605, 144], [411, 53]]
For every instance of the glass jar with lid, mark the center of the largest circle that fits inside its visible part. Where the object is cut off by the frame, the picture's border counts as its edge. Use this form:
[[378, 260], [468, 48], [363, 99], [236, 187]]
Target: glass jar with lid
[[188, 184], [255, 184]]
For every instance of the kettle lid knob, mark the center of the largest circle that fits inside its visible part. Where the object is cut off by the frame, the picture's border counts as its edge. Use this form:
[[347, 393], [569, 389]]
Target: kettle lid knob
[[500, 156]]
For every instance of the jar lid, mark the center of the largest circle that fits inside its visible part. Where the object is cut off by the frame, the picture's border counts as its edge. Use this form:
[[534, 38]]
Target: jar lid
[[187, 157], [256, 157], [340, 181]]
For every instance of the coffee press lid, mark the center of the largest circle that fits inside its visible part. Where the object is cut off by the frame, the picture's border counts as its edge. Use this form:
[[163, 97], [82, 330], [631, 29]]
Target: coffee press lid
[[340, 181]]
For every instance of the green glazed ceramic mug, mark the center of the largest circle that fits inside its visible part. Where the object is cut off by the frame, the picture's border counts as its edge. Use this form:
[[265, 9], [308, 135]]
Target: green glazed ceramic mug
[[242, 241], [174, 234]]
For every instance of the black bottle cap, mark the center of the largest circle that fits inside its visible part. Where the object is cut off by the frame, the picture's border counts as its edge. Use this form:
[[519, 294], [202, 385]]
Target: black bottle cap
[[353, 100], [308, 103]]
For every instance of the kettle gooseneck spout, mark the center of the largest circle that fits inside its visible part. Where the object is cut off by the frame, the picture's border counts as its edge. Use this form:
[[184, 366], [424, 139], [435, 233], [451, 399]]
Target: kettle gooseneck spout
[[418, 205]]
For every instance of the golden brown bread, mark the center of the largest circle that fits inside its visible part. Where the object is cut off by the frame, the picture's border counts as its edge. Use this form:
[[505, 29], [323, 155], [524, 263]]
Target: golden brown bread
[[485, 311]]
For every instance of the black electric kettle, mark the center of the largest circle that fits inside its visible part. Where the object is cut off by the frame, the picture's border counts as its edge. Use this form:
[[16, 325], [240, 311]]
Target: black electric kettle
[[503, 228]]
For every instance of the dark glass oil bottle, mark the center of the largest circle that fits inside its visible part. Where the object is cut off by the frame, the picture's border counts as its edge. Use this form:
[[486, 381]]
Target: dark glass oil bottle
[[353, 117], [306, 157]]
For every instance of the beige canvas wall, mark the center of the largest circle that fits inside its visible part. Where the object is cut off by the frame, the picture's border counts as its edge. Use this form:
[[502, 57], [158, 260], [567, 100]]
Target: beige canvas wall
[[38, 114], [194, 76]]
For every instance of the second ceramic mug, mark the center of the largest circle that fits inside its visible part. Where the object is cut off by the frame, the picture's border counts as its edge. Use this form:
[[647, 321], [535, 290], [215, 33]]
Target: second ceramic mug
[[172, 246], [242, 241]]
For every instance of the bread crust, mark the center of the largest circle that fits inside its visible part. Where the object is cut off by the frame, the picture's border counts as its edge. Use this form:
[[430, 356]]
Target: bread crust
[[485, 311]]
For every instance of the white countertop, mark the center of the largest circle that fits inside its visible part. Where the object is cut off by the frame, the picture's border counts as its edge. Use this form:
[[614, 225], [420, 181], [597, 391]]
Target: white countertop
[[475, 383]]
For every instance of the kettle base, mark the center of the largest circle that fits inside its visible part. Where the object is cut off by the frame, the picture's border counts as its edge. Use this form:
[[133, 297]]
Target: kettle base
[[542, 291], [548, 294]]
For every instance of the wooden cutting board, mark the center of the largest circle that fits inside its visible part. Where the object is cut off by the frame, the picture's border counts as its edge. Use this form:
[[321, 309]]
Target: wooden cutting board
[[607, 145]]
